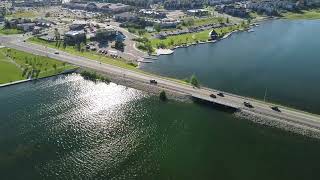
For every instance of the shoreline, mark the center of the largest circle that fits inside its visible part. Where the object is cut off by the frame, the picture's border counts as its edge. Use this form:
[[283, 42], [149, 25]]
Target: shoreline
[[29, 80]]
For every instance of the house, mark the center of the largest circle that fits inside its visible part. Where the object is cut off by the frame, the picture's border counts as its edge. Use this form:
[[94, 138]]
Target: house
[[198, 12], [77, 26], [125, 17], [213, 35]]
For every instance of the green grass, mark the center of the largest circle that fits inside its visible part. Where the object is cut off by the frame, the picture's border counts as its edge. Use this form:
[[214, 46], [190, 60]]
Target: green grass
[[177, 40], [8, 71], [10, 31], [27, 63], [304, 14]]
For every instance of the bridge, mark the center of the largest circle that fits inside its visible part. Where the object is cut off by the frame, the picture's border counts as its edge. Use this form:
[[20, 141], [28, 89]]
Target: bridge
[[263, 109]]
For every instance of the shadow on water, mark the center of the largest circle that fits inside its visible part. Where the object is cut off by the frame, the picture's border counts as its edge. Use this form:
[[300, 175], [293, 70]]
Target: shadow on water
[[216, 106]]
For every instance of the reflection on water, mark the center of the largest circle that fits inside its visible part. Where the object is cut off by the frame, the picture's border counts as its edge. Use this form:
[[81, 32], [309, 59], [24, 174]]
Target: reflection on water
[[70, 128]]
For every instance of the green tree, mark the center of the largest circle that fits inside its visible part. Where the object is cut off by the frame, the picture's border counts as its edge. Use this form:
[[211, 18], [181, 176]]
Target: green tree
[[163, 96], [194, 81], [157, 27]]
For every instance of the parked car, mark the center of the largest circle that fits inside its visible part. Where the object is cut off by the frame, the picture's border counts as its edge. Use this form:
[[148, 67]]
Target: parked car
[[56, 52], [152, 81], [220, 94], [276, 108], [213, 96], [247, 104]]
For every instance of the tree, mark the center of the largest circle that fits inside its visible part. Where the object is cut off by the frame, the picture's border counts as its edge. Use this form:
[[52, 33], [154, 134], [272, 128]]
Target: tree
[[56, 34], [227, 20], [47, 14], [157, 27], [194, 81], [163, 96], [54, 67]]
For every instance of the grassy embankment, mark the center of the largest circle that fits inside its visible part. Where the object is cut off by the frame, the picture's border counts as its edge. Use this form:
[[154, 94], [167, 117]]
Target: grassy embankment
[[304, 14], [17, 65], [88, 54]]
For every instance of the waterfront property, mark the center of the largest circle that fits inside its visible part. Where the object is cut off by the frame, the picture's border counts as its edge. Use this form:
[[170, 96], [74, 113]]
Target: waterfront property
[[17, 65]]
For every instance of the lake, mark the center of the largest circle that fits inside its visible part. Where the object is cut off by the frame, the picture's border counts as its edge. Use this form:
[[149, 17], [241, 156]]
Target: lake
[[280, 58]]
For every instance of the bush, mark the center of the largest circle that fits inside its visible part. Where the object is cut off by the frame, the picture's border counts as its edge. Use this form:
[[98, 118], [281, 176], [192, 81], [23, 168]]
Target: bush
[[194, 81], [163, 96], [93, 76]]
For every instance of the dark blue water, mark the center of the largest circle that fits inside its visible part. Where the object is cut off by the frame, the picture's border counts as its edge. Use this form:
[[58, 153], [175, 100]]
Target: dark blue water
[[281, 56]]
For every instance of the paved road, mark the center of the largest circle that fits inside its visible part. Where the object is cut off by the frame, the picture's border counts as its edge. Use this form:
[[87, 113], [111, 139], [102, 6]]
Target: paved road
[[260, 108]]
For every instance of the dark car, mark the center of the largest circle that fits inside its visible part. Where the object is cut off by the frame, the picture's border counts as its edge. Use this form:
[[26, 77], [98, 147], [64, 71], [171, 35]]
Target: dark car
[[213, 96], [152, 81], [276, 108], [220, 94], [247, 104]]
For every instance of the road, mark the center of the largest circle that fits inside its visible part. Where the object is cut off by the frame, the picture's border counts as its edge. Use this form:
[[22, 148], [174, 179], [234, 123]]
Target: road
[[260, 108]]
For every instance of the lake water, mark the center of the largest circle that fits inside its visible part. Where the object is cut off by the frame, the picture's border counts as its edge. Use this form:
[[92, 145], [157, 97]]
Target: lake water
[[281, 58], [70, 128]]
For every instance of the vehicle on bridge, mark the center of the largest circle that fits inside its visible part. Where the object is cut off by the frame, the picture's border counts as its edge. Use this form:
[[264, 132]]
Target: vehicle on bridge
[[276, 108], [213, 96], [247, 104], [152, 81], [220, 94]]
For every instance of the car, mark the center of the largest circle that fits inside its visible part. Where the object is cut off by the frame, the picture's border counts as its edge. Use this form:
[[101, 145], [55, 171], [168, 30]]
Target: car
[[247, 104], [213, 96], [56, 52], [276, 108], [152, 81], [220, 94]]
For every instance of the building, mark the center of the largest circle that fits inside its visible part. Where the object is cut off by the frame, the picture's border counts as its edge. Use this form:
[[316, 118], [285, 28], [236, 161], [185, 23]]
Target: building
[[26, 27], [198, 12], [152, 13], [77, 26], [169, 23], [74, 37], [213, 35]]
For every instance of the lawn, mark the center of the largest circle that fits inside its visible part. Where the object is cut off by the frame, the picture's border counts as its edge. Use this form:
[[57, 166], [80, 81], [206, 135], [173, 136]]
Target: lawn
[[8, 71], [304, 14], [88, 54], [172, 41], [10, 31], [17, 65]]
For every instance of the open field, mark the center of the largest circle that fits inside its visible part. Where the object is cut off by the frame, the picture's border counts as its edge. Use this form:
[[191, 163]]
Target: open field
[[304, 14], [17, 65]]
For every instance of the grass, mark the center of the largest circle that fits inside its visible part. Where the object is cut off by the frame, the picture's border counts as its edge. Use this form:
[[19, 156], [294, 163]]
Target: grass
[[304, 14], [177, 40], [10, 31], [8, 71], [18, 65]]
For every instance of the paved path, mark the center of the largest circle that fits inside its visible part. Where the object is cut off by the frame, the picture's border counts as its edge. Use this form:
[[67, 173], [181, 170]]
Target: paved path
[[260, 108]]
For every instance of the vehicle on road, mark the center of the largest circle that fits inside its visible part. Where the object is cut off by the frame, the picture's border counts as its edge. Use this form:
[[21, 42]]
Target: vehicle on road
[[213, 96], [276, 108], [220, 94], [152, 81], [247, 104], [56, 52]]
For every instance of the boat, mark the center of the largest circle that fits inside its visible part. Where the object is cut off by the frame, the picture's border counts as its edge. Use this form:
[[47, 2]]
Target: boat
[[250, 30]]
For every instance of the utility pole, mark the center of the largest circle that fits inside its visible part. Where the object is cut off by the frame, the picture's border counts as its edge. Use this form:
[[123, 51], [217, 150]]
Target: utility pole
[[265, 95]]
